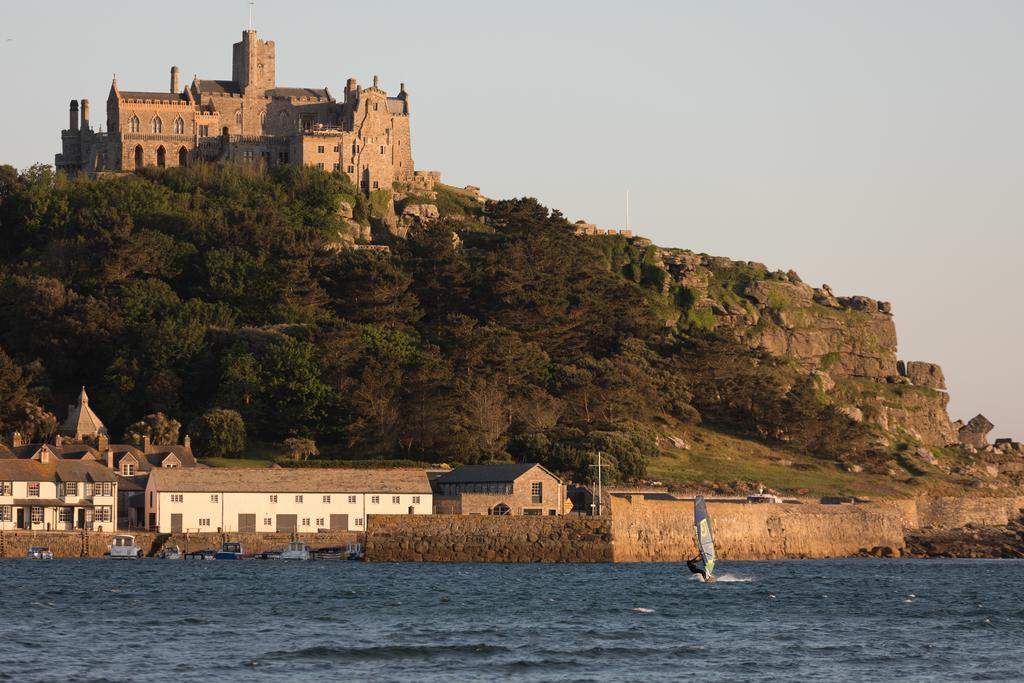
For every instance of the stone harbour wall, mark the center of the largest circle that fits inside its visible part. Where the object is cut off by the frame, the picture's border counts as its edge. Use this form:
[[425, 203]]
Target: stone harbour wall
[[646, 530], [77, 544], [954, 513], [481, 538]]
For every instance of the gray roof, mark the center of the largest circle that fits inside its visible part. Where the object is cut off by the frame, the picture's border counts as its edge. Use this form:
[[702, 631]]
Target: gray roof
[[142, 95], [64, 470], [480, 474], [299, 92], [290, 480], [215, 87], [81, 420]]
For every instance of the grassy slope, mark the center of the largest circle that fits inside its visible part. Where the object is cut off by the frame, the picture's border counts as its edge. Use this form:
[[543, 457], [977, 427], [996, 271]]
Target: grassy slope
[[257, 454], [716, 456]]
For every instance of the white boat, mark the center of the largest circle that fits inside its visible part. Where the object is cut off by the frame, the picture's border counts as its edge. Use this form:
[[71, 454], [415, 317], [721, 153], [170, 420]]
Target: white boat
[[171, 552], [297, 550], [124, 548], [38, 552]]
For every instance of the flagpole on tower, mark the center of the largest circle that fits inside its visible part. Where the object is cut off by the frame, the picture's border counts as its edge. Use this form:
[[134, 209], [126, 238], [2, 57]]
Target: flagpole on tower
[[252, 4]]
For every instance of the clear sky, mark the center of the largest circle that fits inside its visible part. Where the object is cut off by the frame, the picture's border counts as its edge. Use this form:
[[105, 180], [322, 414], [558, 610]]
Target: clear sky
[[873, 145]]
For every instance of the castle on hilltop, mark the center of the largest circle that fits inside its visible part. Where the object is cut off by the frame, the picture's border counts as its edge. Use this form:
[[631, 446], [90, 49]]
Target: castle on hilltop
[[247, 119]]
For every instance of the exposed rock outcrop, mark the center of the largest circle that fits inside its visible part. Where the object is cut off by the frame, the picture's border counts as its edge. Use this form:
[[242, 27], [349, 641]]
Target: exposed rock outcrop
[[975, 432], [925, 375]]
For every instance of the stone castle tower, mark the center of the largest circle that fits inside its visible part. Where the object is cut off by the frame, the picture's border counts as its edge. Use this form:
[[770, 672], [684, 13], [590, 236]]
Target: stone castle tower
[[248, 119]]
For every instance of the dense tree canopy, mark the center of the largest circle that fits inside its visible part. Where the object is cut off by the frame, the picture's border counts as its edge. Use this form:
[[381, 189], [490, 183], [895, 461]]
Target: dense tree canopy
[[213, 295]]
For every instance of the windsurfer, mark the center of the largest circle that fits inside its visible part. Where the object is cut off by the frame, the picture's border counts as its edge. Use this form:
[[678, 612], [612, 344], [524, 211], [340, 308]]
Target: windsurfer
[[696, 565]]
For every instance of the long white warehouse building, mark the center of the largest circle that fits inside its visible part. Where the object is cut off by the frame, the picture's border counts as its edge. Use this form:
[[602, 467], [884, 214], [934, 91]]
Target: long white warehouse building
[[281, 500]]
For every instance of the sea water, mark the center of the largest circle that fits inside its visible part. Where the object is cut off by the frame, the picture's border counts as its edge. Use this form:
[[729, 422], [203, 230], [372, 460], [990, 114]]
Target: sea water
[[152, 620]]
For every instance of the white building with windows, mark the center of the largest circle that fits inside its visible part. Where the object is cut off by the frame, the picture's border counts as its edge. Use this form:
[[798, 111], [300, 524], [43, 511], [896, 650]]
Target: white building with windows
[[283, 500], [57, 495]]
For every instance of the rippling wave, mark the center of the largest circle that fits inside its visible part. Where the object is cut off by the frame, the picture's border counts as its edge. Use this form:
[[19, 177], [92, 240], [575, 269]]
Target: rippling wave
[[848, 620]]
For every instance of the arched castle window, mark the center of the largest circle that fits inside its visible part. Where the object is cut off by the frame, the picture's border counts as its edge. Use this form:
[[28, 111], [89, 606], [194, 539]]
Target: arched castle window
[[161, 156], [283, 120], [238, 116], [158, 125], [139, 160], [182, 157], [179, 126], [133, 124], [263, 118]]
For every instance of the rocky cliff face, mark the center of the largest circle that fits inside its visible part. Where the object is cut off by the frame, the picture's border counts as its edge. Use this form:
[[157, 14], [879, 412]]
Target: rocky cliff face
[[847, 343]]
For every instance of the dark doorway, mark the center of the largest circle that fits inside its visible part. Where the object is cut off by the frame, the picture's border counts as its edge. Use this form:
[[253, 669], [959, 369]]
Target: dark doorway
[[175, 523], [21, 518], [247, 524], [80, 524], [287, 524], [339, 522], [138, 156], [182, 157], [161, 156]]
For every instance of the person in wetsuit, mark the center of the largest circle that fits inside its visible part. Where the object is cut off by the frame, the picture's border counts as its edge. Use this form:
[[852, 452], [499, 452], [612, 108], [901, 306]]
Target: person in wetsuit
[[696, 565]]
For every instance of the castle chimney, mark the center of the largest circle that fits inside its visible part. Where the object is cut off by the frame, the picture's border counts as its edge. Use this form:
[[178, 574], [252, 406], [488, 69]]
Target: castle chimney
[[73, 115], [144, 443], [17, 440], [102, 441], [58, 440], [85, 114], [187, 443], [375, 81], [110, 457], [175, 77], [351, 87]]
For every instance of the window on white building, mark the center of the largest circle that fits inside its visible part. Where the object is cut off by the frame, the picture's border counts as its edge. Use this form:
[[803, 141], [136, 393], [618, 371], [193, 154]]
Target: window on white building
[[359, 521], [37, 515], [319, 522], [375, 499], [88, 489], [415, 500], [71, 488], [177, 498], [33, 489], [5, 513], [305, 521], [267, 521], [128, 469], [103, 488], [396, 499], [65, 514], [6, 488], [327, 499], [298, 499], [319, 149], [273, 498], [352, 499], [214, 498], [204, 521], [102, 514]]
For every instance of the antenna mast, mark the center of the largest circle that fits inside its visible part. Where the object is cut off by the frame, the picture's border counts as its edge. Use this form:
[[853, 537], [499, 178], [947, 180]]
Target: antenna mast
[[627, 210], [252, 5]]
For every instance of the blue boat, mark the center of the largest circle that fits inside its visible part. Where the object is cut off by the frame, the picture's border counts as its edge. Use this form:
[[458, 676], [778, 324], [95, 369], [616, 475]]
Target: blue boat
[[230, 551]]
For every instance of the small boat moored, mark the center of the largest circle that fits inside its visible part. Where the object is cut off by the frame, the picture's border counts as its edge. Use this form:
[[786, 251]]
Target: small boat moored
[[38, 552], [124, 548], [329, 554], [355, 551], [171, 552], [268, 555], [208, 554], [297, 550], [231, 551]]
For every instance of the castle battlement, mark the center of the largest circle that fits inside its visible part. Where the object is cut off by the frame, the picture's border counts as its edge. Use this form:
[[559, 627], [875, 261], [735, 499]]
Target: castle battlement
[[248, 119]]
